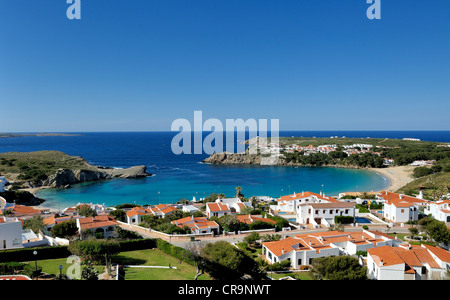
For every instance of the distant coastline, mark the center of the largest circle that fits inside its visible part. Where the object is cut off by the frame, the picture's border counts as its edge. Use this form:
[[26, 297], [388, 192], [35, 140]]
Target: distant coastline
[[46, 134]]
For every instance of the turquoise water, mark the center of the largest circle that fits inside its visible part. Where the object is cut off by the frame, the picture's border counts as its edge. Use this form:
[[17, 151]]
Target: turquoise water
[[183, 176], [255, 181]]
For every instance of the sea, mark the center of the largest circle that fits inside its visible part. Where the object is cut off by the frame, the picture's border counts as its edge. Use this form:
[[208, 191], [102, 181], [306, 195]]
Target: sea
[[184, 176]]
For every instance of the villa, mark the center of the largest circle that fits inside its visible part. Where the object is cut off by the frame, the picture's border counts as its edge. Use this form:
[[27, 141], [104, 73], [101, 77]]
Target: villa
[[217, 209], [319, 215], [198, 225], [50, 222], [290, 203], [99, 224], [400, 208], [303, 248], [134, 216], [10, 233], [407, 263], [440, 210]]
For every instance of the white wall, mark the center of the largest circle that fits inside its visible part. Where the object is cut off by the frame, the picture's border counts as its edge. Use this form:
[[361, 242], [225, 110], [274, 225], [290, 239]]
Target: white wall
[[11, 234]]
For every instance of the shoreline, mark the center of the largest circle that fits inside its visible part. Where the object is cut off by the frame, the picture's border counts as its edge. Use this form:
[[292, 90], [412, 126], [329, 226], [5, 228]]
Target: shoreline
[[398, 176]]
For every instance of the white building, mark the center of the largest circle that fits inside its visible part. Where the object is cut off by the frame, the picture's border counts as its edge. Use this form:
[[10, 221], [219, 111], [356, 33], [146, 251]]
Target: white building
[[440, 210], [399, 208], [303, 248], [217, 209], [10, 233], [235, 204], [289, 203], [323, 214], [407, 263], [198, 225]]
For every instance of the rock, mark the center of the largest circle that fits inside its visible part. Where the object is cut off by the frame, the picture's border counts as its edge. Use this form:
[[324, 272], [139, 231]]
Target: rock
[[67, 177]]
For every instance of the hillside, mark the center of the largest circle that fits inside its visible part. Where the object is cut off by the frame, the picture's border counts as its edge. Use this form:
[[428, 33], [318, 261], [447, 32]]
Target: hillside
[[57, 169]]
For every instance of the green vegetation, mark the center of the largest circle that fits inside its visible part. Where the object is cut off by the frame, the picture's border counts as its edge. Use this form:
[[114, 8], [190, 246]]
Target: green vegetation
[[433, 186], [338, 268], [37, 166], [155, 257], [403, 152]]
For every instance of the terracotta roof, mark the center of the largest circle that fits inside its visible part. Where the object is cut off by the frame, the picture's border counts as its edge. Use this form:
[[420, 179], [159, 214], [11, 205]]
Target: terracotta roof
[[399, 200], [413, 257], [439, 252], [217, 206], [96, 222], [318, 241], [248, 219], [192, 223]]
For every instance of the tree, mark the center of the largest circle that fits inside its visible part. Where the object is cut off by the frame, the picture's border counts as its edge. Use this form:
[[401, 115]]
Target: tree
[[65, 229], [252, 238], [36, 223], [194, 254], [414, 231], [94, 250], [86, 211], [338, 268], [119, 215], [226, 262]]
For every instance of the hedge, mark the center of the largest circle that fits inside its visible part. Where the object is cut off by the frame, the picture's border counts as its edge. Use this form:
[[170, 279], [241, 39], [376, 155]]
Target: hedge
[[343, 219], [26, 254]]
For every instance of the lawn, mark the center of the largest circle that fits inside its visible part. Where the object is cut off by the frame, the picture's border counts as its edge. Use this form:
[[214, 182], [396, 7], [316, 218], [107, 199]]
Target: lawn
[[51, 266], [306, 275], [152, 257], [155, 257]]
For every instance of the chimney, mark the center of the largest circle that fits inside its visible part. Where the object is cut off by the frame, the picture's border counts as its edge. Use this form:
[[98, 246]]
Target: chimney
[[400, 196], [282, 250]]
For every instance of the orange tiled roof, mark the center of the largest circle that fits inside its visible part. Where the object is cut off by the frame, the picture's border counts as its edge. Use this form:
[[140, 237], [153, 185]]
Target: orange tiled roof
[[217, 206], [96, 222], [250, 219], [439, 252], [399, 200]]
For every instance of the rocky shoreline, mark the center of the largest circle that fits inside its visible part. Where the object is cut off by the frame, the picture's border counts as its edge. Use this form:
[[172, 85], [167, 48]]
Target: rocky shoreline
[[397, 176], [69, 170], [66, 177]]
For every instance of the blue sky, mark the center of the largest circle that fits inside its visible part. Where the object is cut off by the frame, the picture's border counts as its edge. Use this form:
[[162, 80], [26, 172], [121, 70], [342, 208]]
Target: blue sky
[[132, 65]]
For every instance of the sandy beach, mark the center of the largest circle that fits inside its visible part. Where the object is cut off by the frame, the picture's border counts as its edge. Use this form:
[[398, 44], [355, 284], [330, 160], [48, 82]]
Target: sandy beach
[[398, 176]]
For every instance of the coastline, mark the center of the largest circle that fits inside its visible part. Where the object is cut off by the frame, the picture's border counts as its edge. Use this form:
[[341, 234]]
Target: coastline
[[398, 176]]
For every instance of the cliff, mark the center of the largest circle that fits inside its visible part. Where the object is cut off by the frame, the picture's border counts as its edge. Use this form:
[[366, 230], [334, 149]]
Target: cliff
[[56, 169], [64, 177], [244, 159]]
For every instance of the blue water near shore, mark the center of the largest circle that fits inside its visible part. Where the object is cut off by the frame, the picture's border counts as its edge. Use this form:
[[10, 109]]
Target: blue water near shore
[[184, 176]]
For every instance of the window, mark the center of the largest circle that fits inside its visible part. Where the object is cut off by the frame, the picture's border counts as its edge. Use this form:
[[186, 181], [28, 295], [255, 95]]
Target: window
[[402, 211], [299, 262]]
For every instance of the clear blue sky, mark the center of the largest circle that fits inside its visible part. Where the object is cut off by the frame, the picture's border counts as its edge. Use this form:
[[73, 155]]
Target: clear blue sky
[[132, 65]]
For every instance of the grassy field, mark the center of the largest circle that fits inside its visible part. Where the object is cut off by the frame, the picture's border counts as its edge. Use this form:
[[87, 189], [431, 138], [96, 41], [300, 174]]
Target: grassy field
[[306, 275], [155, 257], [151, 257]]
